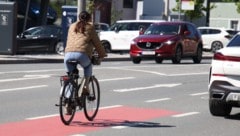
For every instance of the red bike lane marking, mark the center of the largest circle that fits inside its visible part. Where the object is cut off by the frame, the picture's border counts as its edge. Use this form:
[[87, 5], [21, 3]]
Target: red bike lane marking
[[52, 126]]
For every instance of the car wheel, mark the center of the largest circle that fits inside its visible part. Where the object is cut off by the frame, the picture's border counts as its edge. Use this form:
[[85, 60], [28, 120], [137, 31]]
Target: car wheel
[[178, 56], [136, 60], [216, 46], [198, 57], [219, 108], [107, 47], [59, 48], [158, 60]]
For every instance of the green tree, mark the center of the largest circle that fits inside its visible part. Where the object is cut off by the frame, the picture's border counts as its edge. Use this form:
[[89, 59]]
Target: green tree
[[198, 11]]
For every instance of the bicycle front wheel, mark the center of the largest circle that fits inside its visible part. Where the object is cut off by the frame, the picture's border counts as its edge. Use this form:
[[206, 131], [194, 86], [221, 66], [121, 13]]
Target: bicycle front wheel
[[92, 100], [67, 107]]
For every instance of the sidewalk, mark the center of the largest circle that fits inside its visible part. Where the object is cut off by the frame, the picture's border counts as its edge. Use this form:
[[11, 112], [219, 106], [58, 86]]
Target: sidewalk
[[55, 58]]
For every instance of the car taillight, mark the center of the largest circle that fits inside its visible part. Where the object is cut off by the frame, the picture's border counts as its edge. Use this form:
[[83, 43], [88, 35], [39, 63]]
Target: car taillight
[[64, 78], [220, 56]]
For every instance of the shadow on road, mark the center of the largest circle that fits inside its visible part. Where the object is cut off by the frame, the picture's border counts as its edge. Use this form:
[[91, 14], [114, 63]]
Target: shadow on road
[[115, 123], [234, 116]]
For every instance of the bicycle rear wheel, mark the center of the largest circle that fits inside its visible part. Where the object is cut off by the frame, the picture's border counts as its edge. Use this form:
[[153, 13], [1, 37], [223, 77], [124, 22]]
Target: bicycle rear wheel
[[91, 102], [67, 106]]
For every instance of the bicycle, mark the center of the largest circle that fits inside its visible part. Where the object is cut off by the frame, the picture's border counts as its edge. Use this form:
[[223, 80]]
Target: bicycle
[[73, 96]]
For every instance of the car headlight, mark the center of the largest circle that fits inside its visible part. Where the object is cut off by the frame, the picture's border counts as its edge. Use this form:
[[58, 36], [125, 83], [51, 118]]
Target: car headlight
[[169, 42], [133, 42]]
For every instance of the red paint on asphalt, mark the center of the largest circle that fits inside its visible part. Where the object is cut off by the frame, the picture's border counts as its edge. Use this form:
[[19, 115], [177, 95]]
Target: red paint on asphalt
[[52, 126]]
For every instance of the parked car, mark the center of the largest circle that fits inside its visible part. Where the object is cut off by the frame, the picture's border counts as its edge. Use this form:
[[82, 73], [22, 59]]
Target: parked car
[[224, 79], [46, 38], [120, 34], [215, 38], [168, 40], [101, 27]]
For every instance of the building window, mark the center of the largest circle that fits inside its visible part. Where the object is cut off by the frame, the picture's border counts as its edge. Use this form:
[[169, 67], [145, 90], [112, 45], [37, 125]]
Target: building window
[[234, 24], [127, 3]]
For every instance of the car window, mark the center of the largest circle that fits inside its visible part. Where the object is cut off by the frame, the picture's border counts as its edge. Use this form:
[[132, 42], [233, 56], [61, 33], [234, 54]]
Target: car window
[[214, 31], [203, 31], [235, 42], [191, 29], [232, 32], [130, 26], [166, 29], [119, 26], [51, 31], [34, 32]]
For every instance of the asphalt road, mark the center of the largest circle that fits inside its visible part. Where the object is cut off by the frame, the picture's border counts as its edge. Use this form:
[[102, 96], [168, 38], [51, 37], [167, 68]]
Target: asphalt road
[[136, 100]]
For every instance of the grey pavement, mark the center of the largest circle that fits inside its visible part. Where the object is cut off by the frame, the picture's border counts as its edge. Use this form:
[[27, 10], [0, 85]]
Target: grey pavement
[[55, 58]]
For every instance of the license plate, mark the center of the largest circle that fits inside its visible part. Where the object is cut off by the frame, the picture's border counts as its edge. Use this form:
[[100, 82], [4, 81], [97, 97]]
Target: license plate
[[148, 52]]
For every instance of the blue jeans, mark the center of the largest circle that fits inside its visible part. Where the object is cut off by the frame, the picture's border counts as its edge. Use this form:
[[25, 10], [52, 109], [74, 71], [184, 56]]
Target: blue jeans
[[84, 60]]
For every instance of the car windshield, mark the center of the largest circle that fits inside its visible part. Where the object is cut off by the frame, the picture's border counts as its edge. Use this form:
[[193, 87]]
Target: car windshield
[[166, 29], [235, 42], [33, 31]]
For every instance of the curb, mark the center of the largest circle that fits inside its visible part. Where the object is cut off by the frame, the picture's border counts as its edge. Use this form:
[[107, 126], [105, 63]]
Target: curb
[[46, 59]]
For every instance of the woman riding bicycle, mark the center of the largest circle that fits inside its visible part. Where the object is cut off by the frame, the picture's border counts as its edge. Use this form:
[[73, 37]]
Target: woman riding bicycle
[[82, 39]]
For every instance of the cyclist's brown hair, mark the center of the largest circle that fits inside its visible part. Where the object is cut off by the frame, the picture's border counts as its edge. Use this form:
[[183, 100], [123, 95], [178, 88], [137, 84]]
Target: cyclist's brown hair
[[83, 17]]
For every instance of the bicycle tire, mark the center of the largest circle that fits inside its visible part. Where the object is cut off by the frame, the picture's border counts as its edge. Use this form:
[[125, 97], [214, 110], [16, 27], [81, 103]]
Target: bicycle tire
[[92, 100], [64, 100]]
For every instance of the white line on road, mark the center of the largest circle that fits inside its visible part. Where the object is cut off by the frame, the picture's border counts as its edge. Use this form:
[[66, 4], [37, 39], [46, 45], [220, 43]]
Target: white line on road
[[119, 127], [26, 77], [144, 71], [158, 100], [22, 88], [109, 107], [113, 79], [185, 114], [32, 71], [41, 117], [147, 87], [197, 94], [189, 74], [53, 115]]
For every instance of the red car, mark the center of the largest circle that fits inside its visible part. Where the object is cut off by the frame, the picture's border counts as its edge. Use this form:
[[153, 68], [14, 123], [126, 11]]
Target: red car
[[168, 40]]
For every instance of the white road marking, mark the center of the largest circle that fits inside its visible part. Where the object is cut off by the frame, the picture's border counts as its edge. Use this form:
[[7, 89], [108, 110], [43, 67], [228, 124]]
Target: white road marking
[[185, 114], [77, 135], [144, 71], [119, 127], [114, 79], [109, 107], [26, 77], [41, 117], [197, 94], [148, 87], [53, 115], [189, 74], [22, 88], [32, 71], [157, 100]]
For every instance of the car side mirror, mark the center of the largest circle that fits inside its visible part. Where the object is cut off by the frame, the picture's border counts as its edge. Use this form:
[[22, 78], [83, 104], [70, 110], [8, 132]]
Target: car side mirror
[[116, 29], [141, 31]]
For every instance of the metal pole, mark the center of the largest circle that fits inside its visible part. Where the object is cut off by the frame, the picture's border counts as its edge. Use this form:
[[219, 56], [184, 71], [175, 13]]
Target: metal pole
[[26, 16], [81, 6], [179, 11], [208, 13]]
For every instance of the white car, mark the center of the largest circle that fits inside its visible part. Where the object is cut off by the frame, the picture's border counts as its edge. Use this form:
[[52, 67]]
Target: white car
[[224, 79], [120, 35], [215, 38]]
